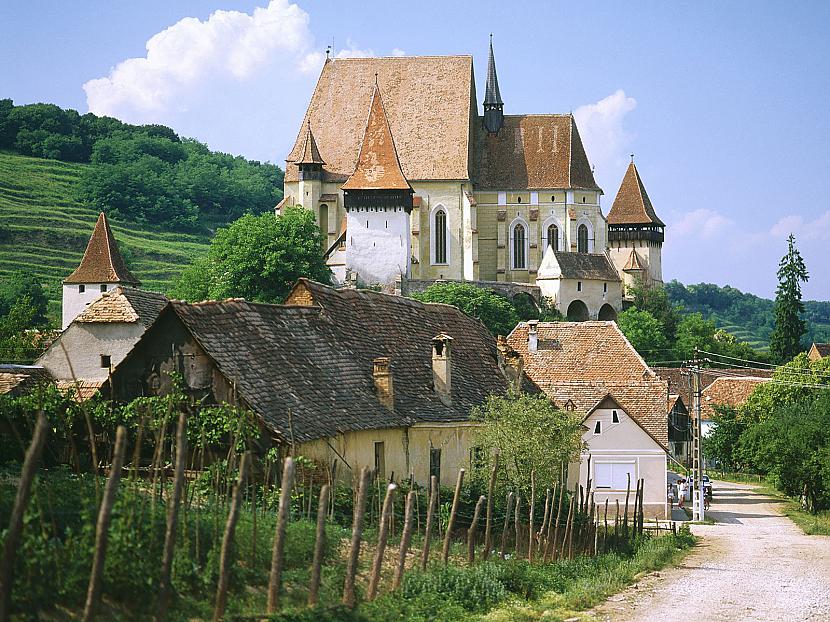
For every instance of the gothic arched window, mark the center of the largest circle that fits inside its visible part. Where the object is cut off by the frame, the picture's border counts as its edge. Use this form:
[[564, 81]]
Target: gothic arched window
[[553, 237], [519, 245], [582, 239], [440, 233]]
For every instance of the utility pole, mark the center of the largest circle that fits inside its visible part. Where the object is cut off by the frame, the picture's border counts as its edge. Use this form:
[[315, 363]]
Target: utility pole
[[697, 456]]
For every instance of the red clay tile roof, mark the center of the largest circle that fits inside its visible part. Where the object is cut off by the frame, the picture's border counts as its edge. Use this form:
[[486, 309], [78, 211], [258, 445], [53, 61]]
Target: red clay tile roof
[[822, 349], [724, 391], [632, 205], [378, 167], [18, 380], [125, 304], [310, 154], [82, 390], [533, 151], [584, 361], [430, 103], [102, 262]]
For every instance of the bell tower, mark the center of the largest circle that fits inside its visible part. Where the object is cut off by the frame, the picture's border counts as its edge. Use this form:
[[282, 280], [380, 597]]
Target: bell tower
[[493, 105]]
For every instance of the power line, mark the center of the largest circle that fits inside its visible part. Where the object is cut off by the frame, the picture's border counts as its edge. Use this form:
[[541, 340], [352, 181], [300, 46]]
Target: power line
[[774, 368]]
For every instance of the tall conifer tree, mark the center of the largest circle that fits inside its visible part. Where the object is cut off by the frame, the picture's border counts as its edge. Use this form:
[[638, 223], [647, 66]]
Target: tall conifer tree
[[785, 340]]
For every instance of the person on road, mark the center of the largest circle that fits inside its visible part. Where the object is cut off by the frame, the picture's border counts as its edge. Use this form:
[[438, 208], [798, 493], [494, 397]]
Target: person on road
[[681, 493]]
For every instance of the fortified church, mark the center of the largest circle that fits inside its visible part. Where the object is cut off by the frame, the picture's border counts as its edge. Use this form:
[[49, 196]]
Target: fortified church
[[411, 184]]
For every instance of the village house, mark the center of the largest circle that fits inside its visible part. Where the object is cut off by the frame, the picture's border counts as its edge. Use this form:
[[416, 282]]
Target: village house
[[719, 387], [591, 368], [819, 351], [348, 377], [409, 182], [101, 269]]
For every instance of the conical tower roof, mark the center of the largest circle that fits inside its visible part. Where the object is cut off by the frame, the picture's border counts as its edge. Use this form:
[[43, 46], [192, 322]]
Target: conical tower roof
[[378, 167], [492, 94], [632, 205], [102, 262], [309, 154]]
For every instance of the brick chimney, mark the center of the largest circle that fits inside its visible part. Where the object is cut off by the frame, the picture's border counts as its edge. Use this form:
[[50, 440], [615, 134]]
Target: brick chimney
[[442, 367], [510, 363], [382, 375], [532, 335]]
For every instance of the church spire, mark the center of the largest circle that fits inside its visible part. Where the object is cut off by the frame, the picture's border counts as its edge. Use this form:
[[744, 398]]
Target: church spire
[[493, 105], [102, 262]]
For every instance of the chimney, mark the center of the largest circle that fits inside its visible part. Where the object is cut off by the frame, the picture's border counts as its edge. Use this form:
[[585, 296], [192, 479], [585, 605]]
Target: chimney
[[442, 367], [510, 363], [382, 375], [532, 335]]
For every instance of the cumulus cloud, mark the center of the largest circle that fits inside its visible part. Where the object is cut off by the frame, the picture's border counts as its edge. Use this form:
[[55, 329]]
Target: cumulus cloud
[[701, 223], [228, 45], [817, 229], [603, 133]]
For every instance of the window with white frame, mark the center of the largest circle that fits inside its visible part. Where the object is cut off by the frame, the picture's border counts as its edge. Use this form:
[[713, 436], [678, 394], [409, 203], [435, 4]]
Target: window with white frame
[[614, 475], [440, 238], [519, 246]]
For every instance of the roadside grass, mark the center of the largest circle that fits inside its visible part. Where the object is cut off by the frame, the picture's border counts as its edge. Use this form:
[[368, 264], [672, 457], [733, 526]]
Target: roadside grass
[[811, 524]]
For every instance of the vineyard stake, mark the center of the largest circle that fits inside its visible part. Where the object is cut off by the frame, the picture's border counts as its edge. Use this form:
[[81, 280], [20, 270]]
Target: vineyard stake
[[383, 536], [349, 597], [319, 543], [406, 538], [433, 502], [278, 552], [455, 500]]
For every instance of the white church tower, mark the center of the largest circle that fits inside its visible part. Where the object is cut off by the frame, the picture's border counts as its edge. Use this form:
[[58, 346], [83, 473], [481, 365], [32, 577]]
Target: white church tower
[[378, 200], [102, 269], [635, 233]]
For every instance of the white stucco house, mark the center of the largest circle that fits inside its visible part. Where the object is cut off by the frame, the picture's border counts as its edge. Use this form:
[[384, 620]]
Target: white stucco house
[[590, 367]]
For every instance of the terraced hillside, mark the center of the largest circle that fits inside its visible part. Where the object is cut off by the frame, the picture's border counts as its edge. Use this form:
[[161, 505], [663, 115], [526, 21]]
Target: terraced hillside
[[45, 230]]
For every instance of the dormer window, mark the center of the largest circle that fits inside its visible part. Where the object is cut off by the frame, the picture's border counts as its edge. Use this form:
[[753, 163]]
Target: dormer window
[[615, 416]]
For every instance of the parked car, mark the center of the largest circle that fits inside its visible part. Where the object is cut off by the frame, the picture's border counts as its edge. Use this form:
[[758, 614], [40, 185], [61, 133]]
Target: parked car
[[707, 486]]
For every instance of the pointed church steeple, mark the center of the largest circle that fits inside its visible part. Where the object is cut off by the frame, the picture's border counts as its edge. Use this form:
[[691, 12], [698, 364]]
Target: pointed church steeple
[[493, 105], [310, 162], [632, 205], [102, 261]]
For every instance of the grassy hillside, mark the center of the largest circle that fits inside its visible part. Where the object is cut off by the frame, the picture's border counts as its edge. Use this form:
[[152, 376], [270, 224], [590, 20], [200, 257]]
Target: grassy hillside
[[748, 317], [43, 229]]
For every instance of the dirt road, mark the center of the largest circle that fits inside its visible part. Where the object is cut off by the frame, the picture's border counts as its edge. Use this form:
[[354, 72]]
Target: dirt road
[[754, 564]]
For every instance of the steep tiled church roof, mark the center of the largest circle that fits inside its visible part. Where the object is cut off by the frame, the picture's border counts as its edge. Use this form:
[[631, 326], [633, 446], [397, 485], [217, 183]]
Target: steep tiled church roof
[[585, 361], [310, 154], [632, 205], [378, 167], [430, 102], [533, 151], [102, 262]]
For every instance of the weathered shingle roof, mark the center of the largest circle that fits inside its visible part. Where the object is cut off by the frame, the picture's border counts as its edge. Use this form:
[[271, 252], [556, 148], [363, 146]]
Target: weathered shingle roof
[[586, 266], [315, 361], [310, 154], [125, 304], [21, 379], [632, 205], [584, 361], [378, 167], [534, 151], [102, 262], [430, 102]]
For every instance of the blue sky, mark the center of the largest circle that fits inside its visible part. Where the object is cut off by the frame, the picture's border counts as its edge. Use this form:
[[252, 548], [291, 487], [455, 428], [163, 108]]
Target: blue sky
[[724, 104]]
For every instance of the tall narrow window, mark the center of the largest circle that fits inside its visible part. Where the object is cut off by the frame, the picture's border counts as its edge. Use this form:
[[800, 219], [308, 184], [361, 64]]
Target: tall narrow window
[[435, 463], [519, 256], [553, 237], [380, 460], [582, 239], [440, 229]]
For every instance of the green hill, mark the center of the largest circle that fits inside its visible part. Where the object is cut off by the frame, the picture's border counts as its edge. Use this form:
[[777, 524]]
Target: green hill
[[748, 317], [44, 230]]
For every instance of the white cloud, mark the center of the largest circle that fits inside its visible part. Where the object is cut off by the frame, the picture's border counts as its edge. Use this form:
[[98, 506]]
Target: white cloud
[[228, 46], [603, 134], [701, 223], [398, 52], [818, 229]]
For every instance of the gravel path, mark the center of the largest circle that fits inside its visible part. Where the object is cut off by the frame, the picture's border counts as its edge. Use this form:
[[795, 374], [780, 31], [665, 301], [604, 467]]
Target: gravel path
[[754, 564]]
